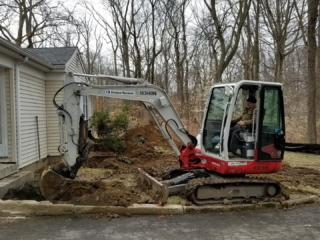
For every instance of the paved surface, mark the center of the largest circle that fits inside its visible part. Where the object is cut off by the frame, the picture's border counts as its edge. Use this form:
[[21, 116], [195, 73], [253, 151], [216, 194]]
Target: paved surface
[[298, 223]]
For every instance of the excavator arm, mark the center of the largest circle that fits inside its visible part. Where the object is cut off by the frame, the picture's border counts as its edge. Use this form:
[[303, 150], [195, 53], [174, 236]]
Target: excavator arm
[[75, 146], [155, 100]]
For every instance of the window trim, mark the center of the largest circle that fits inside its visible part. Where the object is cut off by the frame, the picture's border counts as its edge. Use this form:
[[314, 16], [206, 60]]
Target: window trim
[[3, 114]]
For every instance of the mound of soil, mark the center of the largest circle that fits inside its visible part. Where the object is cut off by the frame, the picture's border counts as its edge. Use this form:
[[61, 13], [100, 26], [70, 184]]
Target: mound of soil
[[111, 179]]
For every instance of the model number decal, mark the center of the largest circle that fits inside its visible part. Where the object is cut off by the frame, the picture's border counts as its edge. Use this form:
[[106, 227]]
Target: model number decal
[[148, 93], [237, 163]]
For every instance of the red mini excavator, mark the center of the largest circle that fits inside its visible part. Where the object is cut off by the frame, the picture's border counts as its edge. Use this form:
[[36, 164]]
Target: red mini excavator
[[209, 170]]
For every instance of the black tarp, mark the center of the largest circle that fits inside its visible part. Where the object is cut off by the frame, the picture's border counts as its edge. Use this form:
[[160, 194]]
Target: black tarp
[[303, 147]]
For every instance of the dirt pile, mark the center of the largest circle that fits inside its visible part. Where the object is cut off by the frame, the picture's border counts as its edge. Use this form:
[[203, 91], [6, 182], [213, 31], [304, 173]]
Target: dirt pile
[[111, 179]]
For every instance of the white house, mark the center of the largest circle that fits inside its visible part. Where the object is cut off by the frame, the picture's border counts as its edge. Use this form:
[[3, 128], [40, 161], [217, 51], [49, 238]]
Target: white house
[[29, 79]]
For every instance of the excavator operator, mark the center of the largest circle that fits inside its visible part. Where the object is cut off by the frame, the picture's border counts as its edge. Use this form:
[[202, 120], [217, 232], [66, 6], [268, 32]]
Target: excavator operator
[[244, 121]]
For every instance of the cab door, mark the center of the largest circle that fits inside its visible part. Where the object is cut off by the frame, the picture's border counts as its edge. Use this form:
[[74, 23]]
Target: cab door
[[271, 130], [214, 122]]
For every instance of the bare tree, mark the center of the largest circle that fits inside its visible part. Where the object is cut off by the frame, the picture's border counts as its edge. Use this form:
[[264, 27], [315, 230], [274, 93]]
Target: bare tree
[[137, 23], [256, 48], [282, 24], [176, 27], [90, 42], [318, 72], [312, 51], [156, 32], [249, 52], [228, 33], [32, 18]]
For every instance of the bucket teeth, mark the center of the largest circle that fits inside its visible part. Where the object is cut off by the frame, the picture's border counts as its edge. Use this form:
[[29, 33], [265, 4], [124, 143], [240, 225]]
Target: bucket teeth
[[158, 191]]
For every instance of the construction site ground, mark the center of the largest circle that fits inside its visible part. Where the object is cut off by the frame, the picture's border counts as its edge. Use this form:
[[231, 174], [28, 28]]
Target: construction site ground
[[110, 179]]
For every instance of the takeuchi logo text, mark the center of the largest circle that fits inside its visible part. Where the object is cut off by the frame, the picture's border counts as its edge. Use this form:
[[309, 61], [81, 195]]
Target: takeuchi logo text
[[120, 92]]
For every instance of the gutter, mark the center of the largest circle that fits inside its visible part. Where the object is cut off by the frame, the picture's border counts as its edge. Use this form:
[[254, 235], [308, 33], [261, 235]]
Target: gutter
[[27, 54], [17, 76]]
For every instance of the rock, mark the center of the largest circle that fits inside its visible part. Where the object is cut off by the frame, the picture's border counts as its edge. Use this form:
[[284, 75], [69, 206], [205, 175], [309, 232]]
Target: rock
[[122, 202]]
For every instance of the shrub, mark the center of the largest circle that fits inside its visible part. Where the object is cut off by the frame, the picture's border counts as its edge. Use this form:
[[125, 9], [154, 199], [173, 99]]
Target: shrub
[[115, 143], [110, 129]]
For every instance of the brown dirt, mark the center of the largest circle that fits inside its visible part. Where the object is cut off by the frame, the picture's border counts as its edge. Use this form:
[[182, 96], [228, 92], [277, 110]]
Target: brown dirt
[[111, 179], [298, 180]]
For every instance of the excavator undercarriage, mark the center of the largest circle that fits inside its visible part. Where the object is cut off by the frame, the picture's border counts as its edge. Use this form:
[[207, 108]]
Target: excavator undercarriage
[[203, 188]]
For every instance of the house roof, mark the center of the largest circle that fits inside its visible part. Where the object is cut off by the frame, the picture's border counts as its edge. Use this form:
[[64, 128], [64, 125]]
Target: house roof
[[55, 56], [47, 58]]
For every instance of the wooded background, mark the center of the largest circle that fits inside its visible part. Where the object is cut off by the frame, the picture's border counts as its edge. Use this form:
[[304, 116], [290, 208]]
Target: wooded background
[[186, 46]]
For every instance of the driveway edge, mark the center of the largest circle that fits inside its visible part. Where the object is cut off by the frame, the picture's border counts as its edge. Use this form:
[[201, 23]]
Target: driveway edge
[[46, 208]]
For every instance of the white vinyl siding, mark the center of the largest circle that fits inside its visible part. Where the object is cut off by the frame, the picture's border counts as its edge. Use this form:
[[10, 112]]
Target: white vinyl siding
[[9, 113], [52, 117], [74, 66], [32, 104]]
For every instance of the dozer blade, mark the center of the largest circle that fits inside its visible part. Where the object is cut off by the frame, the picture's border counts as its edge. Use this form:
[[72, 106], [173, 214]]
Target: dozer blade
[[158, 191], [52, 184]]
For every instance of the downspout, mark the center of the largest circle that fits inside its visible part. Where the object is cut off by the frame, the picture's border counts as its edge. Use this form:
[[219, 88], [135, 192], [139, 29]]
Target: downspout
[[18, 135]]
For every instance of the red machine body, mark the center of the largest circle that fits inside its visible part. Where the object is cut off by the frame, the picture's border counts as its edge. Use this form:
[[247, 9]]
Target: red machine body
[[261, 145]]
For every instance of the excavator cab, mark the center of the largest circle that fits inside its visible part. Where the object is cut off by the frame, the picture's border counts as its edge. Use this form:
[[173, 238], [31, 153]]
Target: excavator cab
[[263, 140]]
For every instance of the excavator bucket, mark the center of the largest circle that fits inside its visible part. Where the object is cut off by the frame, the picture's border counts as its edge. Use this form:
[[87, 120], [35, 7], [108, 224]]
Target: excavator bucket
[[158, 191], [52, 184]]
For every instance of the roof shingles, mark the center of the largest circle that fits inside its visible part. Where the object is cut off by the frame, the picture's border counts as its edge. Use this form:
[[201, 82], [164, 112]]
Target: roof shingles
[[55, 56]]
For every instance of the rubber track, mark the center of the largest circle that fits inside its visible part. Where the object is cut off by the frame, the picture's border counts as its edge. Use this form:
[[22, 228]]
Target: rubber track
[[195, 183]]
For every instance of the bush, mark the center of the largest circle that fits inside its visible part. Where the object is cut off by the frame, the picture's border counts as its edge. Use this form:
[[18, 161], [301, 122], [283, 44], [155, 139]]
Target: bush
[[115, 143], [111, 129], [100, 121]]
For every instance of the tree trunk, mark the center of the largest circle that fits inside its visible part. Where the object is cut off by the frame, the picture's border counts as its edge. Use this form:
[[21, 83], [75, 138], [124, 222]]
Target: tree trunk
[[279, 67], [256, 57], [312, 49], [318, 70]]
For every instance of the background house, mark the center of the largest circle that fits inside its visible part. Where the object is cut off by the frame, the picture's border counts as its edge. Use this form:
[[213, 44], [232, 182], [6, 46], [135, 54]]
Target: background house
[[29, 78]]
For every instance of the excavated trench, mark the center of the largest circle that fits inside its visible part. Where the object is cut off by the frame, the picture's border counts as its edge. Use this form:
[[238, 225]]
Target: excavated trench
[[111, 179]]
